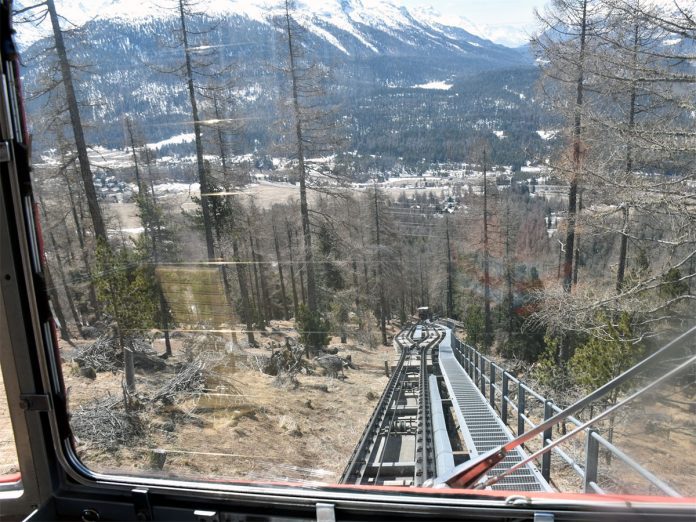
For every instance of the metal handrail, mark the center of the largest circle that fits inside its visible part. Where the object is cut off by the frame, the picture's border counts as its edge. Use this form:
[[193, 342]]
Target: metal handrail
[[588, 473]]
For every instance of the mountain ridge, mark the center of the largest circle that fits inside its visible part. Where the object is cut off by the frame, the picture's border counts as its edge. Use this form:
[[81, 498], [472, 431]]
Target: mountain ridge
[[399, 82], [342, 14]]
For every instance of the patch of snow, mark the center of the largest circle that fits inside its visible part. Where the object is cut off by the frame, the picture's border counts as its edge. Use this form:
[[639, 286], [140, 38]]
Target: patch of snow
[[434, 85], [176, 188], [531, 170], [547, 134], [187, 137], [499, 134], [672, 41], [135, 230]]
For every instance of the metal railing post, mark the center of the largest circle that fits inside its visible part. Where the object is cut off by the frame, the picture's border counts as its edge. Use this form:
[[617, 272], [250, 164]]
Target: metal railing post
[[503, 399], [476, 368], [520, 409], [491, 387], [470, 351], [482, 372], [546, 435], [591, 460]]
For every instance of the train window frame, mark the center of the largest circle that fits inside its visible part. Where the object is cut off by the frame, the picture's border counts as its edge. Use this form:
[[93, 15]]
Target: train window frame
[[54, 483], [18, 368]]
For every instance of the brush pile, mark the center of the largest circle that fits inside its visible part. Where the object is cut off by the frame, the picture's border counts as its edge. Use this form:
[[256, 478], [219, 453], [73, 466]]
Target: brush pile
[[189, 381], [106, 423], [105, 355]]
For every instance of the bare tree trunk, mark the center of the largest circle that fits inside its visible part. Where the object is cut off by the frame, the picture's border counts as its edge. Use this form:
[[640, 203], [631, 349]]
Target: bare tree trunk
[[312, 302], [577, 161], [65, 333], [76, 123], [131, 138], [128, 362], [259, 299], [240, 270], [424, 301], [576, 263], [302, 285], [402, 292], [450, 283], [263, 274], [509, 269], [623, 249], [412, 301], [244, 291], [263, 280], [488, 328], [202, 175], [366, 275], [57, 307], [356, 282], [382, 311], [295, 303], [253, 295], [576, 257], [286, 314], [74, 205]]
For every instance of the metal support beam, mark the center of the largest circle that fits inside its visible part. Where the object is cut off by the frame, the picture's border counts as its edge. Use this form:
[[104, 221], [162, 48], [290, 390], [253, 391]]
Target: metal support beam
[[546, 458], [520, 409], [591, 460], [503, 399]]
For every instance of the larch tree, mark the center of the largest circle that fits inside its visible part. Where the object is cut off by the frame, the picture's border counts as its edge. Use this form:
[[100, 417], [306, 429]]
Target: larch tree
[[562, 46], [65, 84], [310, 131], [76, 124], [157, 240], [639, 170], [191, 68], [378, 222]]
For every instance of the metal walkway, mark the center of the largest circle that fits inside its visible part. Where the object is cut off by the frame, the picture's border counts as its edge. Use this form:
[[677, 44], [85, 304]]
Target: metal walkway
[[481, 427]]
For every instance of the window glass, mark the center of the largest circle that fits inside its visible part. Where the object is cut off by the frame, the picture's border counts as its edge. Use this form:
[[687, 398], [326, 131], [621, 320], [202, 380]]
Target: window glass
[[366, 241], [9, 465]]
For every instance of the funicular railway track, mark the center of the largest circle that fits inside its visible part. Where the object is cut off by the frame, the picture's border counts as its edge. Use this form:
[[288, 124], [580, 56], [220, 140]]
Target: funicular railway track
[[396, 447], [430, 418]]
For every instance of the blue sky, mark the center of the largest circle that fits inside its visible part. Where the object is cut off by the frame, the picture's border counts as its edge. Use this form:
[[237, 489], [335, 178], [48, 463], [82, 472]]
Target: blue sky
[[498, 16]]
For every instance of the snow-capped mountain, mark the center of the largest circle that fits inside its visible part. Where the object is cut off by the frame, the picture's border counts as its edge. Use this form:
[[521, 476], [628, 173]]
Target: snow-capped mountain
[[353, 18], [388, 64]]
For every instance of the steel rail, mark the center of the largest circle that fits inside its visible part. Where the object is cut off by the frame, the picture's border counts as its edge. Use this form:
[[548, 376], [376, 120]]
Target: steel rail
[[369, 452], [422, 426], [375, 421], [424, 430], [394, 414]]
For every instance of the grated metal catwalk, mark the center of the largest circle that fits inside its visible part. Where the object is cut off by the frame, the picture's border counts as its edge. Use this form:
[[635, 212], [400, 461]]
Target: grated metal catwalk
[[482, 428]]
